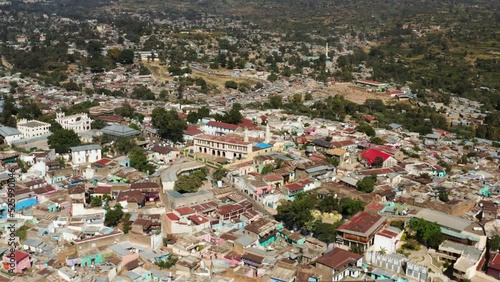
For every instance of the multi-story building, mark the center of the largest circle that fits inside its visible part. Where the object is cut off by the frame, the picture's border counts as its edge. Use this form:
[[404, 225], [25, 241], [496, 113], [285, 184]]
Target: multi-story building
[[219, 128], [78, 123], [32, 128], [230, 147], [85, 154], [360, 230]]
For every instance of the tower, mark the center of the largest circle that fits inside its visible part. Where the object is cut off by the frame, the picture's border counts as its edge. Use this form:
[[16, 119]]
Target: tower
[[245, 138], [267, 138], [326, 50]]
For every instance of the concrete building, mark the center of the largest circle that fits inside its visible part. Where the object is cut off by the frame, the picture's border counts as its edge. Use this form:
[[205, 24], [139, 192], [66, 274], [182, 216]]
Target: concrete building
[[230, 147], [360, 230], [85, 154], [10, 134], [78, 123], [32, 128]]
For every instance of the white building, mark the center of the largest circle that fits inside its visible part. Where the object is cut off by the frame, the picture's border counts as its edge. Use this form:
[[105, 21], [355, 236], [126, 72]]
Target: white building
[[387, 239], [230, 147], [85, 154], [78, 123], [32, 128], [219, 128], [10, 134]]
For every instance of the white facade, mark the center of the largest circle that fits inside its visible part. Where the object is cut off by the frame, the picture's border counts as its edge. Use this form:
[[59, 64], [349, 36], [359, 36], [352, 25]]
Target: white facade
[[85, 154], [229, 148], [387, 240], [78, 123], [32, 128]]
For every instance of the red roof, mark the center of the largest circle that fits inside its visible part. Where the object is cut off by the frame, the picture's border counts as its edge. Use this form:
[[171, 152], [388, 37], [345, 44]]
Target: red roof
[[272, 177], [184, 210], [19, 255], [369, 117], [223, 139], [229, 208], [222, 125], [338, 258], [371, 154], [388, 233], [247, 123], [198, 220], [495, 262], [172, 216], [192, 130], [103, 162], [294, 187], [103, 190], [362, 222]]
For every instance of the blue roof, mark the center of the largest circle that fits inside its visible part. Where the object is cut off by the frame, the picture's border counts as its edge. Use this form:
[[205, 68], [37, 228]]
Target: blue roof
[[263, 145], [8, 131]]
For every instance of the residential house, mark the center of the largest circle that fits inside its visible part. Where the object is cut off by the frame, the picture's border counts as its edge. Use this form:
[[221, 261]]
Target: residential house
[[162, 153], [219, 128], [85, 154], [360, 230], [339, 264], [378, 158], [21, 261], [387, 239]]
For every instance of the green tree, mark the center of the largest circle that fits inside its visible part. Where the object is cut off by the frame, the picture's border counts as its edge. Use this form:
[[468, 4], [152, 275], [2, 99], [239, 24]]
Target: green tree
[[276, 101], [191, 182], [124, 144], [219, 173], [96, 202], [98, 124], [169, 124], [62, 139], [113, 215], [366, 128], [443, 194], [426, 233], [367, 184], [326, 232], [126, 57], [495, 243], [377, 140], [22, 233], [231, 84], [297, 214], [400, 224], [234, 116], [139, 160], [267, 169], [378, 162]]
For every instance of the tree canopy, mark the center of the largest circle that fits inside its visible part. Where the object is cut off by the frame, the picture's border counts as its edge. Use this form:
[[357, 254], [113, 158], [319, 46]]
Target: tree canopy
[[426, 233], [170, 126], [62, 139], [139, 160]]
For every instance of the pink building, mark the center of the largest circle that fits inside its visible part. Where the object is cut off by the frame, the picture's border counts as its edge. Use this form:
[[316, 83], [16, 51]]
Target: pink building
[[21, 261]]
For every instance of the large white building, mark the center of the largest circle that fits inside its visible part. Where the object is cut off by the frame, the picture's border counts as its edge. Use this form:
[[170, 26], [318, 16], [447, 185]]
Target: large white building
[[78, 123], [230, 147], [85, 154], [32, 128], [219, 128]]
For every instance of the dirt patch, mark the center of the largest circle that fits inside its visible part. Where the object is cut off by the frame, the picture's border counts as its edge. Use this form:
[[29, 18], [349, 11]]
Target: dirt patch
[[352, 93]]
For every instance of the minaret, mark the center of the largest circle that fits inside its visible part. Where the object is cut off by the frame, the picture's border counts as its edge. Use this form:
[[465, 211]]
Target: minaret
[[246, 135], [267, 138], [326, 51]]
